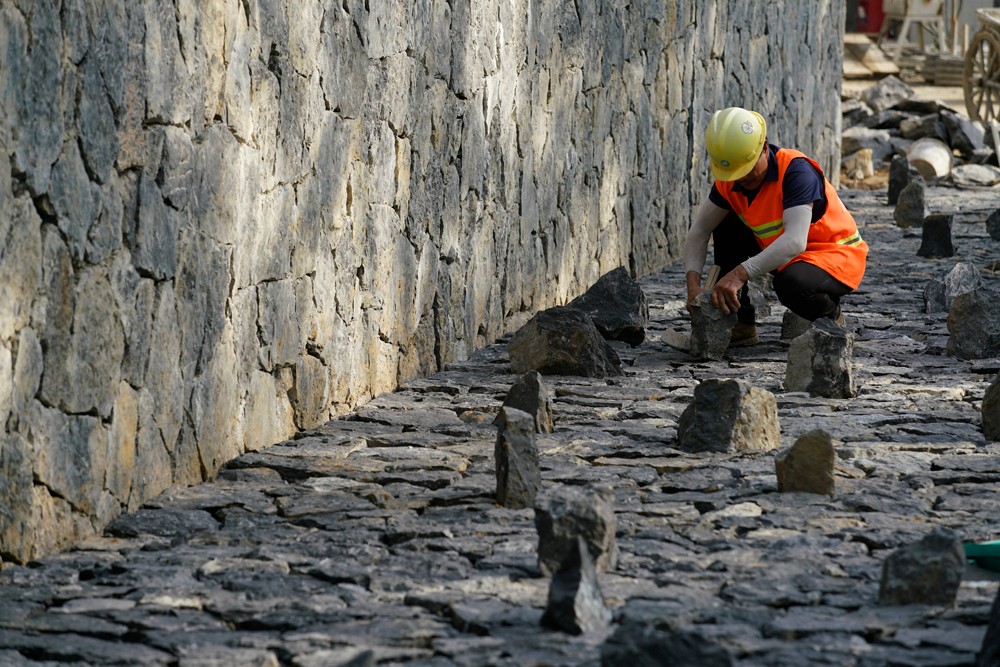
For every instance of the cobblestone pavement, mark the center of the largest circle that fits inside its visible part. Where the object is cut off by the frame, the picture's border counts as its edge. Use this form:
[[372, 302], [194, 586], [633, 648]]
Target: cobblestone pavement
[[376, 538]]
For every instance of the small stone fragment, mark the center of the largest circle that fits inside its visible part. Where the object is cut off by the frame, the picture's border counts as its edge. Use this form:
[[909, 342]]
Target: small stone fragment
[[819, 361], [518, 473], [911, 207], [925, 572], [530, 394], [991, 411], [562, 341], [729, 416], [974, 324], [576, 604], [939, 294], [564, 513], [936, 236], [618, 307], [711, 329], [807, 466]]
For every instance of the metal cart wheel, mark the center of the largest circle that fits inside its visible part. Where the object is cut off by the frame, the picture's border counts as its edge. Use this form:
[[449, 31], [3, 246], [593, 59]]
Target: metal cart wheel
[[981, 76]]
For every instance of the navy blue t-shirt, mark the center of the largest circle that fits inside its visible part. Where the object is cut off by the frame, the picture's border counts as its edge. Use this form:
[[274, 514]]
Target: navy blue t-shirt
[[803, 184]]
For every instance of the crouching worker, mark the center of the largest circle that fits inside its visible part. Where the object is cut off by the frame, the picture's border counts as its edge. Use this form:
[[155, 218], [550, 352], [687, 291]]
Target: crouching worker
[[771, 210]]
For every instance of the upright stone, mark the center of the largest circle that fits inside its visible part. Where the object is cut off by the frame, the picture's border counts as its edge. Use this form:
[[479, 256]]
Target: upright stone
[[993, 225], [819, 361], [729, 416], [518, 474], [940, 293], [925, 572], [618, 307], [793, 326], [562, 341], [642, 645], [974, 324], [991, 411], [564, 513], [911, 207], [530, 394], [899, 177], [936, 236], [989, 652], [711, 329], [808, 465], [576, 604]]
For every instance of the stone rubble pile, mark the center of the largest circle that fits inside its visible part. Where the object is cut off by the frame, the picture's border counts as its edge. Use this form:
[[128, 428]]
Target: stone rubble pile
[[378, 538]]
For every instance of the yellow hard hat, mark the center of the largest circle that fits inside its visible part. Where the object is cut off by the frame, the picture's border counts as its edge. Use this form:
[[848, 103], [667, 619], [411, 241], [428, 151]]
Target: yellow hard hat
[[734, 139]]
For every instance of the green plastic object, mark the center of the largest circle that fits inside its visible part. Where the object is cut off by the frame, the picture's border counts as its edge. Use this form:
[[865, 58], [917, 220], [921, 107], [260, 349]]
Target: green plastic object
[[985, 554]]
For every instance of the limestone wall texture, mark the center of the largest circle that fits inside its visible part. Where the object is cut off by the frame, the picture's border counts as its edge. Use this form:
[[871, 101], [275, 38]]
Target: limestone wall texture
[[224, 221]]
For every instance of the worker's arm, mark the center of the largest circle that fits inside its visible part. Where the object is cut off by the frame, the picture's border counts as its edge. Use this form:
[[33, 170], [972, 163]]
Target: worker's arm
[[696, 245], [784, 249]]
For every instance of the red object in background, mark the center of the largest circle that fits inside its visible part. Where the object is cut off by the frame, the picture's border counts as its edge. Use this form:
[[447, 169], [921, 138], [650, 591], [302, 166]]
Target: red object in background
[[870, 15]]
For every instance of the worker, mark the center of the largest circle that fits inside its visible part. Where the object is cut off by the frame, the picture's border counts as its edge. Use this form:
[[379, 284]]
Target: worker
[[771, 210]]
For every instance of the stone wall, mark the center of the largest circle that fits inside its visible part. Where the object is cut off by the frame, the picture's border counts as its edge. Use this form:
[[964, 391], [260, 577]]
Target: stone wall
[[221, 222]]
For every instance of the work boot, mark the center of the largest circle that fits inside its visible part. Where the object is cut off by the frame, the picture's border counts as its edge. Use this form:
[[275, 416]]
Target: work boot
[[839, 319], [743, 335]]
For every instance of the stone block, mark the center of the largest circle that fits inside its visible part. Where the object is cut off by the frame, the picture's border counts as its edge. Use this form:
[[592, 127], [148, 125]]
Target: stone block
[[926, 572], [562, 341], [729, 416], [899, 177], [711, 329], [940, 293], [575, 602], [518, 473], [618, 307], [974, 324], [530, 394], [911, 207], [936, 236], [819, 361], [564, 513], [808, 465]]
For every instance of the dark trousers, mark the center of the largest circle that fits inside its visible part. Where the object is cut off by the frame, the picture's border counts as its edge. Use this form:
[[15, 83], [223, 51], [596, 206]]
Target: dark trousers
[[805, 289]]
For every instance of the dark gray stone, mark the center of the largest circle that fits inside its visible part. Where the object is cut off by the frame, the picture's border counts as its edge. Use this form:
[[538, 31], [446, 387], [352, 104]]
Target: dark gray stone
[[562, 341], [991, 411], [819, 361], [974, 324], [530, 394], [711, 329], [854, 112], [925, 572], [899, 177], [173, 523], [887, 93], [993, 225], [964, 135], [808, 465], [517, 471], [989, 652], [928, 125], [617, 306], [638, 645], [911, 206], [729, 416], [879, 141], [936, 237], [940, 293], [575, 603], [564, 513]]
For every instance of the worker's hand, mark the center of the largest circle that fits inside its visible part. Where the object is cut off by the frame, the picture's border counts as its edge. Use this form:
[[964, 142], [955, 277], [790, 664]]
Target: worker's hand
[[693, 292], [726, 295]]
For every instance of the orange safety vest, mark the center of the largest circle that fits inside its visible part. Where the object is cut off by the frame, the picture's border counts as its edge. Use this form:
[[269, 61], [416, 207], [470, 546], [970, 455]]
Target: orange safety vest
[[834, 243]]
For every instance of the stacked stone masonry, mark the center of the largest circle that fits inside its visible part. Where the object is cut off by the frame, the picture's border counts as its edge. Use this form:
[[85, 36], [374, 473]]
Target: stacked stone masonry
[[224, 222]]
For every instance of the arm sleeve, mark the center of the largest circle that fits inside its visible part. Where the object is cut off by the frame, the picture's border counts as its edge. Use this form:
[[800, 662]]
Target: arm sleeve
[[786, 247], [696, 243]]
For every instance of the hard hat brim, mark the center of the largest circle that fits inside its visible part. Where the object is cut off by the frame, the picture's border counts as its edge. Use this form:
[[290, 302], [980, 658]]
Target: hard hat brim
[[733, 174]]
